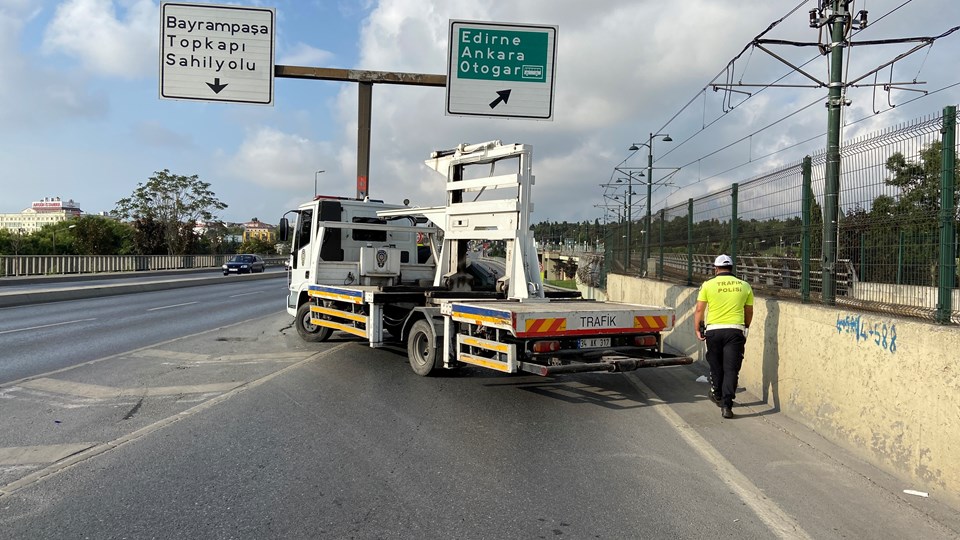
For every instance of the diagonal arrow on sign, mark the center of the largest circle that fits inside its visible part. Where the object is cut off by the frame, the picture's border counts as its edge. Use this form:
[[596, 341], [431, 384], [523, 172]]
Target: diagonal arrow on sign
[[503, 95], [216, 86]]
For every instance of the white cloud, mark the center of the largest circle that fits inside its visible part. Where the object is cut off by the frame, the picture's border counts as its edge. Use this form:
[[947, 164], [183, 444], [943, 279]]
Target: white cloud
[[33, 94], [106, 42], [611, 89], [302, 54], [624, 69], [272, 158]]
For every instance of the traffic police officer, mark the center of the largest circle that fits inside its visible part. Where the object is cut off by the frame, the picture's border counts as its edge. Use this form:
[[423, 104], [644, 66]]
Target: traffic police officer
[[728, 302]]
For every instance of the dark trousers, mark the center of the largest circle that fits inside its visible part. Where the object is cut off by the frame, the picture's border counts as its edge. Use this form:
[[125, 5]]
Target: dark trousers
[[725, 356]]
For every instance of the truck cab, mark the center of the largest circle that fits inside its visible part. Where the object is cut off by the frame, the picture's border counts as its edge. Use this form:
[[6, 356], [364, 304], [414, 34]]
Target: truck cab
[[341, 241]]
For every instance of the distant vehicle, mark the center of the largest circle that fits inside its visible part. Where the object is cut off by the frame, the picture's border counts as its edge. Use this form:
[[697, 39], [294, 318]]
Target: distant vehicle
[[244, 264]]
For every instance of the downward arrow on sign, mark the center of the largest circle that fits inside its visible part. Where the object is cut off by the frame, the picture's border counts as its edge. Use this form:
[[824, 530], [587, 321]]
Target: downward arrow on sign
[[216, 86], [504, 96]]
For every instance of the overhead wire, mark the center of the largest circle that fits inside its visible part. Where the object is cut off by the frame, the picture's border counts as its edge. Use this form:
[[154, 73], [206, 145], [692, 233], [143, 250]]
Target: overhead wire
[[749, 46], [724, 71], [765, 87], [805, 141]]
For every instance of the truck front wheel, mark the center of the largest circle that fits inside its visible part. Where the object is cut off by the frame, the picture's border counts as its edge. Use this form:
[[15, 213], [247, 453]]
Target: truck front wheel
[[307, 330], [422, 348]]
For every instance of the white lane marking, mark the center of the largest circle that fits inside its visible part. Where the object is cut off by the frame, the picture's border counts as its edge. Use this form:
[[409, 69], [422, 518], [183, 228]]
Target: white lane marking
[[102, 448], [173, 306], [46, 326], [244, 294], [779, 522]]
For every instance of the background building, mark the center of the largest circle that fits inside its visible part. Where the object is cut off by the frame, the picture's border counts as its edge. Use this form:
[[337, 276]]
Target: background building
[[260, 230], [44, 212]]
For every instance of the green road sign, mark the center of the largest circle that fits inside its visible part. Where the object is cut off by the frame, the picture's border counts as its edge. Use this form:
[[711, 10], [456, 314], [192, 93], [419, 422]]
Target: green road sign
[[501, 70], [501, 55]]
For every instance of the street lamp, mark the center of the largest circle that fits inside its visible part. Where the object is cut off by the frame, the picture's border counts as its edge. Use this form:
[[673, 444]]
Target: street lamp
[[53, 231], [19, 241], [315, 175], [634, 147]]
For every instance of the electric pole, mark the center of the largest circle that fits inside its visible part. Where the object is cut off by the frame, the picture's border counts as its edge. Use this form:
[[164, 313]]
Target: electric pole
[[837, 21]]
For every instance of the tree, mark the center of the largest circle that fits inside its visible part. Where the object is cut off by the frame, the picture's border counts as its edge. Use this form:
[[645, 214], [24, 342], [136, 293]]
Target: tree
[[258, 245], [97, 235], [54, 239], [898, 236], [147, 238], [214, 239], [169, 205], [918, 182], [16, 242]]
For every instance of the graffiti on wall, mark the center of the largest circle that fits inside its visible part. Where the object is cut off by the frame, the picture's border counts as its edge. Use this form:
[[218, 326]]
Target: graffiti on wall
[[864, 330]]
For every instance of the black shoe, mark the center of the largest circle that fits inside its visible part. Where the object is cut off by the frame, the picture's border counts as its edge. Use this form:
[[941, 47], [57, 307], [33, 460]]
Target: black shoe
[[715, 398], [726, 412]]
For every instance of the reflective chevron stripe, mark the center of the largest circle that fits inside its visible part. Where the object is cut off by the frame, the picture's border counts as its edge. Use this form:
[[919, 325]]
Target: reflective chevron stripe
[[545, 326], [651, 323]]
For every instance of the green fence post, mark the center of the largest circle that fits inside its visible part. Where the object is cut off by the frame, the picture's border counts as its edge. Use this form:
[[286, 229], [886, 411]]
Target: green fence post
[[689, 241], [947, 216], [805, 211], [733, 226]]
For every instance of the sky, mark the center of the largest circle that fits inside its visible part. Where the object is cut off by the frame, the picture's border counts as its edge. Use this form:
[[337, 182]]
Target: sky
[[81, 115]]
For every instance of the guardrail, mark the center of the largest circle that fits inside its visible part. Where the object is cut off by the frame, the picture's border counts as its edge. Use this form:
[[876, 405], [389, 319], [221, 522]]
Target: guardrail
[[775, 273], [49, 265]]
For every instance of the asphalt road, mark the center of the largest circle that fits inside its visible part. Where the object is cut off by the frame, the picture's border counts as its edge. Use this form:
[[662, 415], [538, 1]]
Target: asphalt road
[[44, 337], [245, 431]]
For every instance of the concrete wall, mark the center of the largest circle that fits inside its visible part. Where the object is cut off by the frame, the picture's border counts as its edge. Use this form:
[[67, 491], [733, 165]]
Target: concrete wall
[[887, 388]]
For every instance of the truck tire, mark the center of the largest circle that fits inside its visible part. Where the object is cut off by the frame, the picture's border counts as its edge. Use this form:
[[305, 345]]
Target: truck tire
[[422, 348], [307, 330]]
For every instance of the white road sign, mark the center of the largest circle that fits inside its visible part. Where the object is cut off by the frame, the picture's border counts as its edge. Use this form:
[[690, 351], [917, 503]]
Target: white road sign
[[217, 53], [501, 70]]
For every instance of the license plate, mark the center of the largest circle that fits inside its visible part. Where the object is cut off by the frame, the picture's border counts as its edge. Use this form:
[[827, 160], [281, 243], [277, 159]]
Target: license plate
[[593, 343]]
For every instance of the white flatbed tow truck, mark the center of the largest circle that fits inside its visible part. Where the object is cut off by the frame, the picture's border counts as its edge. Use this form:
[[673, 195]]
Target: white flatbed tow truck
[[383, 273]]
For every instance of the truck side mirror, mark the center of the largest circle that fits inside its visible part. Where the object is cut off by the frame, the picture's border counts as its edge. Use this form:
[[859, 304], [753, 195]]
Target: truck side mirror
[[284, 227]]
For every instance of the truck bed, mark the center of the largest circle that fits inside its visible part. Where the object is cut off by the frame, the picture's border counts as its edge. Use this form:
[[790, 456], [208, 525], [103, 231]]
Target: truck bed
[[551, 317], [562, 317]]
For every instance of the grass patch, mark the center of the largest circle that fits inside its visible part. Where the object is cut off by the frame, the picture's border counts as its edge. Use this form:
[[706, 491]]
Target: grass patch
[[564, 283]]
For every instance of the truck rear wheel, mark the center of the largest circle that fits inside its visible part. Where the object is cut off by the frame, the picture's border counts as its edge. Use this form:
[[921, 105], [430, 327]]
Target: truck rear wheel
[[422, 348], [307, 330]]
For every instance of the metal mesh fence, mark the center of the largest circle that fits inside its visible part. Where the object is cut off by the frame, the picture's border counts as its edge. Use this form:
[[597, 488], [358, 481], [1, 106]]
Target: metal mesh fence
[[890, 250], [889, 225], [769, 230]]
